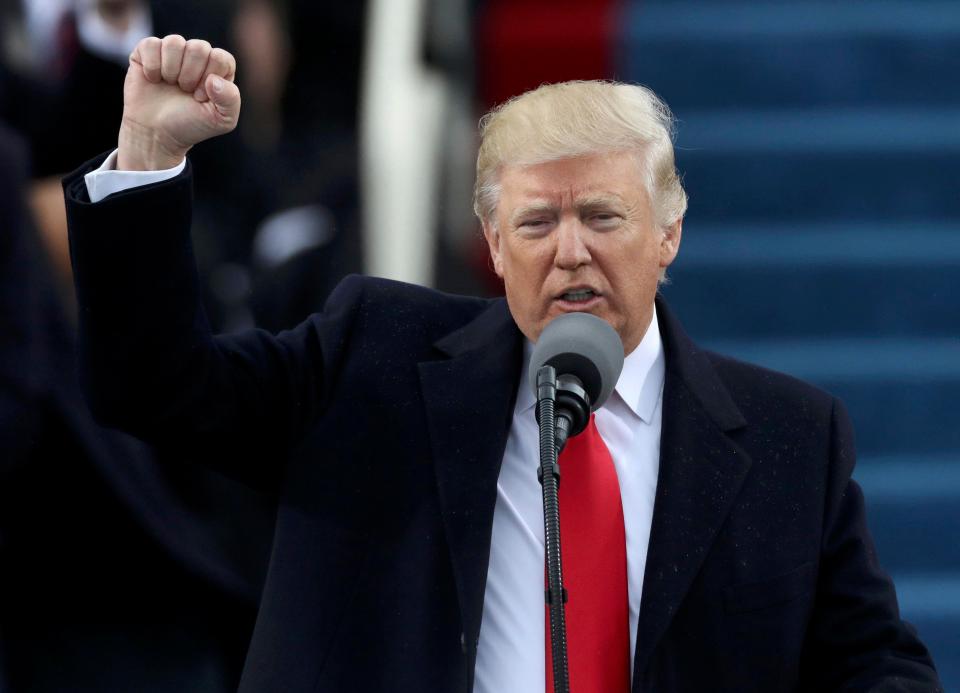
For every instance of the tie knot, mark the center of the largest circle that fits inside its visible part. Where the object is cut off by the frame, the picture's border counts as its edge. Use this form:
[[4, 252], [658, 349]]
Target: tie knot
[[584, 445]]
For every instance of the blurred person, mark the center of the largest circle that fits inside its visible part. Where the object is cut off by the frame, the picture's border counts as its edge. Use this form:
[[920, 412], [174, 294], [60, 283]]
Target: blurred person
[[294, 165], [261, 35], [61, 88], [76, 51], [397, 431], [117, 573], [303, 134], [63, 63]]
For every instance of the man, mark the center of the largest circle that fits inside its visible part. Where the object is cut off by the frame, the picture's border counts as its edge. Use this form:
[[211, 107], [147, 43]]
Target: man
[[398, 436]]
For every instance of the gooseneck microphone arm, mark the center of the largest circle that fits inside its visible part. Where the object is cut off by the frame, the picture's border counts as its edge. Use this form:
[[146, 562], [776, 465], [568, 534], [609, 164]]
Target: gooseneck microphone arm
[[549, 476], [563, 410]]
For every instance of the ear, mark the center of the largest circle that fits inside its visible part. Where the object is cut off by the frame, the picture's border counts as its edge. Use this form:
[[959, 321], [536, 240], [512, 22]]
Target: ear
[[670, 243], [493, 241]]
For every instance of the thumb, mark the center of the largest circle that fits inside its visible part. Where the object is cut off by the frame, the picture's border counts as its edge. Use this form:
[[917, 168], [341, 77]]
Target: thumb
[[225, 97]]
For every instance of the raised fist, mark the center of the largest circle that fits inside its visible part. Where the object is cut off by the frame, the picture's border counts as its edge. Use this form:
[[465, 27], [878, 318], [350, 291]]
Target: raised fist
[[177, 93]]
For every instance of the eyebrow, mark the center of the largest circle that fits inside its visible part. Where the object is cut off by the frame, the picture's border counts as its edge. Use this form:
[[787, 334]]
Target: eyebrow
[[586, 202], [536, 208], [592, 201]]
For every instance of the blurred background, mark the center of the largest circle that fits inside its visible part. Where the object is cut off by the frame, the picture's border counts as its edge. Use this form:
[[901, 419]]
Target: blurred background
[[819, 143]]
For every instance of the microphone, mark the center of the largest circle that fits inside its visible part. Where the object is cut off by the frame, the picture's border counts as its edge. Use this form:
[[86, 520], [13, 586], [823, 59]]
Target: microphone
[[587, 355]]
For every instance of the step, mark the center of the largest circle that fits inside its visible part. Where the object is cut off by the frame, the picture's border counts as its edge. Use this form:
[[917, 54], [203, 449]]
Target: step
[[854, 360], [931, 603], [833, 130], [857, 243], [890, 164], [740, 20], [719, 54], [911, 479], [913, 504], [913, 509], [902, 394], [774, 279]]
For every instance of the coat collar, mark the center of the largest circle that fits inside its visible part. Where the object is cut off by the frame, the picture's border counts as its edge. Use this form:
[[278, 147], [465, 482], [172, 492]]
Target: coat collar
[[469, 402], [701, 471]]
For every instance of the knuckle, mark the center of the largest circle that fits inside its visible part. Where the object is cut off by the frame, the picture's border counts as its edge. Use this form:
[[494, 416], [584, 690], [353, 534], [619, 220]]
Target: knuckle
[[198, 47], [174, 40], [222, 57], [149, 50]]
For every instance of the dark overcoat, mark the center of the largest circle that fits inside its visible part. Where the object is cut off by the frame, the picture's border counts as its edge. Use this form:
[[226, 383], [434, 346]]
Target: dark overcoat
[[380, 424]]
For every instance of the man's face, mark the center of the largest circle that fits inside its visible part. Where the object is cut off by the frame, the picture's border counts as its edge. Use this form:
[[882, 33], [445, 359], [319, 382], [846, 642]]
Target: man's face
[[579, 235]]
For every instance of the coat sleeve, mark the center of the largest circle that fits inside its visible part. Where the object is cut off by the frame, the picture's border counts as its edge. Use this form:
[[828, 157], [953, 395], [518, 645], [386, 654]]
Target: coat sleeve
[[857, 640], [149, 363]]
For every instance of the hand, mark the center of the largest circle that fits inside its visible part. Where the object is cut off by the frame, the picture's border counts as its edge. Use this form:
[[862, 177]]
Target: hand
[[177, 93]]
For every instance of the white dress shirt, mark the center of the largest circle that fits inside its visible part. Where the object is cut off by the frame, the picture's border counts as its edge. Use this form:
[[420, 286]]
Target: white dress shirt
[[511, 649]]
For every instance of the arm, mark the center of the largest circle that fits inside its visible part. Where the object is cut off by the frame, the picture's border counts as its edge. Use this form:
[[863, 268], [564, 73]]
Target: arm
[[857, 640], [149, 363]]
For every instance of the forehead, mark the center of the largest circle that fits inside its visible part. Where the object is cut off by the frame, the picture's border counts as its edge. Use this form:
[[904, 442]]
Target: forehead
[[615, 175]]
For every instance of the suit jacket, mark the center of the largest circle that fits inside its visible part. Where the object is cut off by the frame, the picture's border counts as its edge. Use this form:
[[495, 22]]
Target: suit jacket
[[380, 424]]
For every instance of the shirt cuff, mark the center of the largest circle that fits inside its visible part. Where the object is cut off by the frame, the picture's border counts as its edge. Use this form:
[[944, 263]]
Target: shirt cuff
[[106, 180]]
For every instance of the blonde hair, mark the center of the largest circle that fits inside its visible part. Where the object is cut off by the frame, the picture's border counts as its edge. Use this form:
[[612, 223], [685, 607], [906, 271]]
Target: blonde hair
[[569, 119]]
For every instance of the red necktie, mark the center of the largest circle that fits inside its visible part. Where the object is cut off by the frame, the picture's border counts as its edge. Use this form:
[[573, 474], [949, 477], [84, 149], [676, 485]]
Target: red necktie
[[593, 548]]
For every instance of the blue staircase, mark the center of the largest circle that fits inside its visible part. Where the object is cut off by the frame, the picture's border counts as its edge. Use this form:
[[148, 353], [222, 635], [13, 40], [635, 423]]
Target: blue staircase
[[820, 146]]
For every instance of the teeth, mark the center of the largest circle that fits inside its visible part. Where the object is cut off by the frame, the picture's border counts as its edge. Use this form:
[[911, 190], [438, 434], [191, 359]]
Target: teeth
[[584, 295]]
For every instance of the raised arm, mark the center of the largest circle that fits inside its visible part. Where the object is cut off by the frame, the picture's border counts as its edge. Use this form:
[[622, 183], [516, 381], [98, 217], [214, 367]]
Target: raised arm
[[149, 363]]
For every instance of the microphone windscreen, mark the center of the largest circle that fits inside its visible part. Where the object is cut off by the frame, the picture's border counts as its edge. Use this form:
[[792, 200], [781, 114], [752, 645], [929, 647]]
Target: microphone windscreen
[[582, 345]]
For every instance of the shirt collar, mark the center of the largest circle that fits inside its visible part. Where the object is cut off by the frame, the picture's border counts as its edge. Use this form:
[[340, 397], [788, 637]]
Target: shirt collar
[[641, 379]]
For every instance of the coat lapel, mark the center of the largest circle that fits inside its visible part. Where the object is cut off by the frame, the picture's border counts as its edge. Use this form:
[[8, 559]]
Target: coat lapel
[[469, 400], [701, 471]]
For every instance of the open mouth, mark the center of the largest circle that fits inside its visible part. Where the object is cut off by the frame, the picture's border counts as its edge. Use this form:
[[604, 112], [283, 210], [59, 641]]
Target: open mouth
[[578, 296]]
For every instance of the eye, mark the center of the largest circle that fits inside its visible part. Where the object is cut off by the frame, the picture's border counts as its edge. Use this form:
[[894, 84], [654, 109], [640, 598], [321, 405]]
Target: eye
[[534, 225], [603, 219]]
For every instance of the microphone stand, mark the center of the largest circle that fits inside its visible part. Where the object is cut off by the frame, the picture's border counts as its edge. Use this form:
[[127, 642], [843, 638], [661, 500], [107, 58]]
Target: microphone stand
[[582, 353], [549, 475]]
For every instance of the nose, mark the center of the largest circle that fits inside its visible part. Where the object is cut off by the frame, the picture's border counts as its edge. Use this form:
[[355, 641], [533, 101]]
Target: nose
[[571, 250]]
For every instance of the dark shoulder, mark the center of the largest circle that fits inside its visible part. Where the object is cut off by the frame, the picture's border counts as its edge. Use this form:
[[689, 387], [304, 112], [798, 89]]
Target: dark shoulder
[[768, 393], [400, 311], [374, 290], [790, 424]]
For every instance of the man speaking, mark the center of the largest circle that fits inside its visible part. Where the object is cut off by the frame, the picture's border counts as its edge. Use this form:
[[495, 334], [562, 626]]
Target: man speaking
[[396, 429]]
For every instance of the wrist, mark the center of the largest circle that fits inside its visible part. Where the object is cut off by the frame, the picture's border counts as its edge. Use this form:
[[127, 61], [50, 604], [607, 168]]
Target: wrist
[[140, 148]]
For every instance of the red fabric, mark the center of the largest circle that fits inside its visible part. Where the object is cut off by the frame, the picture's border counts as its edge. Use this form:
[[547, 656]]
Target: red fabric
[[594, 554], [523, 45]]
